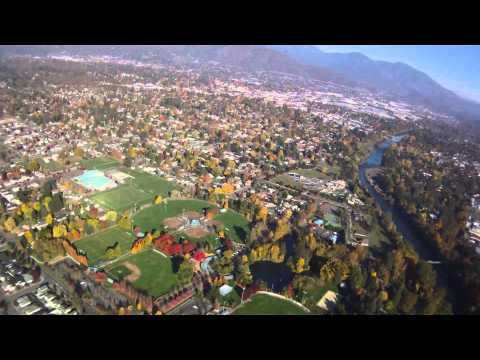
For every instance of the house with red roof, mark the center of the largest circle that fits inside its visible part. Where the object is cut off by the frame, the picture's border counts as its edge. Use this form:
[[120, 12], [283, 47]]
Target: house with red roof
[[188, 247], [163, 241], [199, 256], [172, 249]]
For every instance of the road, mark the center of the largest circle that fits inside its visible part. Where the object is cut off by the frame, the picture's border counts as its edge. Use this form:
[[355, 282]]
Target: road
[[188, 307], [10, 298], [86, 309]]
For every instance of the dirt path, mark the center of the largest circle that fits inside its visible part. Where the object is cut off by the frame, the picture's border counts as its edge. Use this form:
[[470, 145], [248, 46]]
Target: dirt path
[[135, 275]]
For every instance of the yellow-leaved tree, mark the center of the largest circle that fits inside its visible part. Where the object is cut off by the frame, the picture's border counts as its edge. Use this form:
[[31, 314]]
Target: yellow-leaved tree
[[46, 202], [281, 230], [49, 219], [26, 210], [132, 152], [300, 265], [158, 199], [228, 188], [59, 231], [36, 206], [29, 237], [111, 215], [148, 239], [10, 224], [262, 214], [125, 222]]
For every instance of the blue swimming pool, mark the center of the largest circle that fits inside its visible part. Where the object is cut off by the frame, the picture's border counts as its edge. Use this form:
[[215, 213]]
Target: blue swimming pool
[[95, 179]]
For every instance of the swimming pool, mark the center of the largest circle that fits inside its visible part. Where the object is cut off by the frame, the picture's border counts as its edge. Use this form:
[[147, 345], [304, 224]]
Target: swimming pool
[[94, 179]]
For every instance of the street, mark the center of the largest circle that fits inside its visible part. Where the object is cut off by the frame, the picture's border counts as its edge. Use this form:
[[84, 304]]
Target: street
[[193, 306], [10, 298]]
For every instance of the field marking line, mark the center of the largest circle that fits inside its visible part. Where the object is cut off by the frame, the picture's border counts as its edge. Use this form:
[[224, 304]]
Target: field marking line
[[284, 298], [159, 252]]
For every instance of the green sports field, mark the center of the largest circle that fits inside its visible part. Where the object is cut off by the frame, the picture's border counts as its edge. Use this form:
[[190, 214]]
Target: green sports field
[[95, 245], [122, 197], [157, 276], [153, 216], [119, 272], [150, 183], [140, 190], [238, 227], [263, 304], [99, 163]]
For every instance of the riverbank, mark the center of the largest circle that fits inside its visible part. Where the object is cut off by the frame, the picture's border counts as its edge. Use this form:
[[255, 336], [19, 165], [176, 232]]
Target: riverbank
[[403, 222]]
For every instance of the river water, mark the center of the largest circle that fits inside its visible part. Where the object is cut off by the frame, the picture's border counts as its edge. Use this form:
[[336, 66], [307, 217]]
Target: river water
[[277, 276], [403, 225], [401, 222]]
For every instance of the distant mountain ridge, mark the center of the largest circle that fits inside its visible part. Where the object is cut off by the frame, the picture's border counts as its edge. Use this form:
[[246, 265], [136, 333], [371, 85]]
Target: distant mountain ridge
[[397, 79], [246, 57], [400, 81]]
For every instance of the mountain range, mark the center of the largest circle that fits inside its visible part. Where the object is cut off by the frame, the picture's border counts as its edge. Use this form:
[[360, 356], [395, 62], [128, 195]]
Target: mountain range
[[398, 80]]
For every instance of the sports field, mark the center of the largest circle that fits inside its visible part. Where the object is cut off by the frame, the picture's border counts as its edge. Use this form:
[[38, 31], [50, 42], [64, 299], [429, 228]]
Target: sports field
[[150, 183], [96, 245], [140, 190], [153, 216], [122, 197], [156, 275], [99, 163], [263, 304], [119, 272], [236, 226]]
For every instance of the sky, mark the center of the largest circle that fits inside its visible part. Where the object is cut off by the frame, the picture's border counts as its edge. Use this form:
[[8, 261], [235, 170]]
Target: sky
[[456, 67]]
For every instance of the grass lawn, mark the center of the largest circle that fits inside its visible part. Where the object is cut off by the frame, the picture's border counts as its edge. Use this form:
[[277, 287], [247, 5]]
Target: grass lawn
[[212, 239], [99, 163], [286, 180], [310, 173], [328, 170], [119, 272], [238, 226], [262, 304], [152, 217], [314, 294], [96, 244], [122, 198], [377, 236], [157, 275], [150, 183], [333, 221]]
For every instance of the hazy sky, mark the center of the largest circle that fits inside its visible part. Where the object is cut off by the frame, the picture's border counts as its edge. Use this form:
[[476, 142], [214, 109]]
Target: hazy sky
[[456, 67]]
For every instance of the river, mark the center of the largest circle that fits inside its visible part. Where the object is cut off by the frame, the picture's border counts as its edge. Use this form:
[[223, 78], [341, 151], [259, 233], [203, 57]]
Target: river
[[399, 219], [277, 276], [404, 227]]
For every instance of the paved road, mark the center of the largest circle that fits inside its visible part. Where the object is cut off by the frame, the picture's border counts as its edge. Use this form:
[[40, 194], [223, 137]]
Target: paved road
[[87, 308], [188, 307], [10, 298]]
